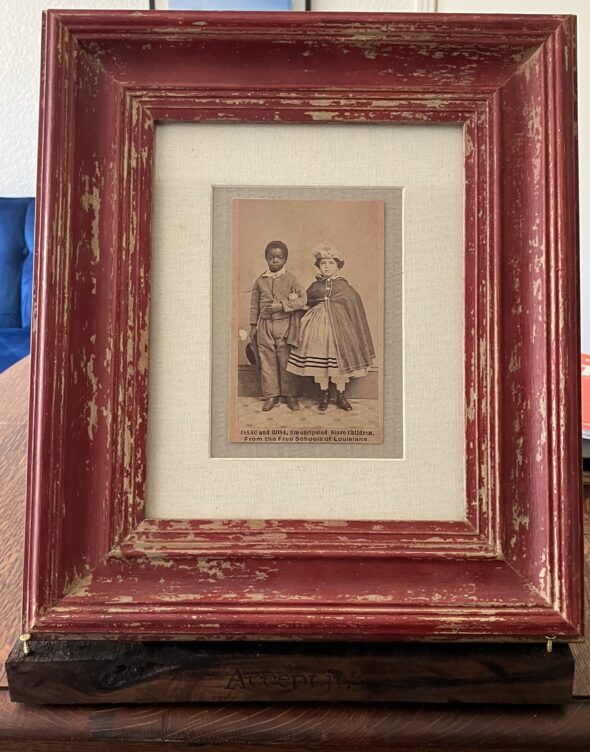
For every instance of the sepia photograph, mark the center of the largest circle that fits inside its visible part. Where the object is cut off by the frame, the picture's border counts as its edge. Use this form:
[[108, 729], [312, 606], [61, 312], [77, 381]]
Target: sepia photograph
[[307, 321]]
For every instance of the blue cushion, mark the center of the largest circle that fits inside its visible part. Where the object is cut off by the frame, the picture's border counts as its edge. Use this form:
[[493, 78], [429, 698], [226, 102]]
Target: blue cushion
[[13, 213], [14, 345], [26, 295]]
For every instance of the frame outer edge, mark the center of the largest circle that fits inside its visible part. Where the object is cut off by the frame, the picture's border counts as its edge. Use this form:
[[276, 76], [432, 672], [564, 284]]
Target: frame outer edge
[[31, 573], [568, 406]]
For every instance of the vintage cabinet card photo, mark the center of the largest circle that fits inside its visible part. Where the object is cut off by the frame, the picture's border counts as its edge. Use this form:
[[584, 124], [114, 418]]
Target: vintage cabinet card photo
[[308, 314]]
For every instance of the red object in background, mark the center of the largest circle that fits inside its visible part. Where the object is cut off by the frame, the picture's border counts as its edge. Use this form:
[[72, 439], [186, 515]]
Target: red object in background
[[585, 392]]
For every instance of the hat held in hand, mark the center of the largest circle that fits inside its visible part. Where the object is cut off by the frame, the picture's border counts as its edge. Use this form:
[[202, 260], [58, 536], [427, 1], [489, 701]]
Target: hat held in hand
[[252, 353]]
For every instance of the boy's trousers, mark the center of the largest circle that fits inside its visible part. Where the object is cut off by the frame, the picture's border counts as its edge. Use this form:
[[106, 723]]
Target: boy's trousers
[[274, 352]]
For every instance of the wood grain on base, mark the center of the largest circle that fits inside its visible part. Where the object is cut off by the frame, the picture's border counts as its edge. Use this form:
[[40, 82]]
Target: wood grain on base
[[260, 727]]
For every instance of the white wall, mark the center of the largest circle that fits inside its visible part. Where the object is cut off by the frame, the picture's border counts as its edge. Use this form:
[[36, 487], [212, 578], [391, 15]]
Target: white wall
[[20, 51]]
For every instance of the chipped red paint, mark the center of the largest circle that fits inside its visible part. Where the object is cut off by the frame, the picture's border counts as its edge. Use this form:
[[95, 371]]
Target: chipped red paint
[[94, 565]]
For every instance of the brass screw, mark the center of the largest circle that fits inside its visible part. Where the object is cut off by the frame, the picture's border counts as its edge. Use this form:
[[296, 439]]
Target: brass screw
[[550, 643], [24, 638]]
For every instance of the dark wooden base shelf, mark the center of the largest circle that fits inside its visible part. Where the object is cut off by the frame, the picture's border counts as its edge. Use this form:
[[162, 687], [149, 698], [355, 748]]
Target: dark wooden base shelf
[[68, 672]]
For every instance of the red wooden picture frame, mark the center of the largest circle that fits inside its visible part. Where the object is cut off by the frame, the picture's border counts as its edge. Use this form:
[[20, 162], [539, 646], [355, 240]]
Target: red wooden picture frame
[[94, 565]]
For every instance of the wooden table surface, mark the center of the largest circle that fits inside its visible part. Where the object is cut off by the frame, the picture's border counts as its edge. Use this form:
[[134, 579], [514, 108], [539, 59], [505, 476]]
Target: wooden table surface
[[246, 727]]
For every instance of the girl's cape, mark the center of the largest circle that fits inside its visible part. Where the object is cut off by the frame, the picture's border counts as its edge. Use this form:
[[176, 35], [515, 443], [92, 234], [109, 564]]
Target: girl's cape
[[349, 323]]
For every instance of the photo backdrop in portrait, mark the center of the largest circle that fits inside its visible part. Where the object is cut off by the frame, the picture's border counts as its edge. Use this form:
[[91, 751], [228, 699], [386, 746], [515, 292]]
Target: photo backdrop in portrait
[[303, 219], [353, 227]]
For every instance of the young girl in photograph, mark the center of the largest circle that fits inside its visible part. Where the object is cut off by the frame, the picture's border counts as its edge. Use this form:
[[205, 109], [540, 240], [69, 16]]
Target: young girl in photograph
[[335, 343]]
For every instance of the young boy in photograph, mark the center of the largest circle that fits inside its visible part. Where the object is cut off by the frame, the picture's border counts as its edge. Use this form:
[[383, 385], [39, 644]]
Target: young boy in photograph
[[276, 304]]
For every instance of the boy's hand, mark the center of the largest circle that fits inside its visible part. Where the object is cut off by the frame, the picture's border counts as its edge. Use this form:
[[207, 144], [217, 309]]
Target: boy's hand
[[275, 306], [253, 331]]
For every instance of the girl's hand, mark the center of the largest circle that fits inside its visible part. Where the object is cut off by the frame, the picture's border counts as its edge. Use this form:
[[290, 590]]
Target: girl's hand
[[253, 332]]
